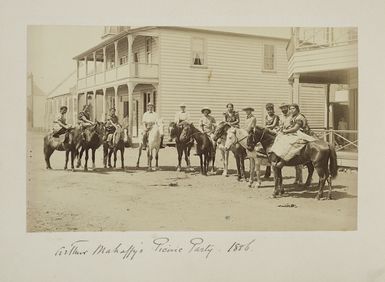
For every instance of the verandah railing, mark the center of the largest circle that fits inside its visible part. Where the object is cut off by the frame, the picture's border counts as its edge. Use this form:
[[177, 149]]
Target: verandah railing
[[343, 140]]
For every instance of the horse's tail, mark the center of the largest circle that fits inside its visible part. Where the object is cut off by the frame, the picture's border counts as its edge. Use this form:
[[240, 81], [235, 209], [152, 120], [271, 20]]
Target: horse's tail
[[333, 167]]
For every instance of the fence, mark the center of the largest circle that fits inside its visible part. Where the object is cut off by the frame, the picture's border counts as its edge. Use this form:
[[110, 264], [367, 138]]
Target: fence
[[343, 140]]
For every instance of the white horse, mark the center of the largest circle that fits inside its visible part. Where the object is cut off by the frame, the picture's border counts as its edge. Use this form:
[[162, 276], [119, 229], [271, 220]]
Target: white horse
[[153, 144], [239, 136]]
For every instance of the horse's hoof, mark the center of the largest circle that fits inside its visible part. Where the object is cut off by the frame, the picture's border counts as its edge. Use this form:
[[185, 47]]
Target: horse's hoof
[[250, 185], [65, 168], [72, 169], [317, 197], [178, 169], [85, 169], [246, 179]]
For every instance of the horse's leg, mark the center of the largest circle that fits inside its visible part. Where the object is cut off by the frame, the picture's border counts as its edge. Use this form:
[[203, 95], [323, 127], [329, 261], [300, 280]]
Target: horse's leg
[[298, 174], [72, 159], [258, 171], [252, 170], [179, 149], [115, 157], [186, 157], [242, 163], [213, 158], [93, 158], [110, 152], [267, 172], [201, 162], [276, 181], [86, 160], [80, 155], [238, 162], [310, 169], [322, 179], [206, 162], [156, 158], [105, 155], [47, 154], [281, 190], [329, 180], [139, 154], [122, 155], [66, 160], [149, 158]]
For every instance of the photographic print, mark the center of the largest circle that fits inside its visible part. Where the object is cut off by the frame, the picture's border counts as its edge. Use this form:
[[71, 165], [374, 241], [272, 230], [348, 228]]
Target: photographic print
[[175, 128]]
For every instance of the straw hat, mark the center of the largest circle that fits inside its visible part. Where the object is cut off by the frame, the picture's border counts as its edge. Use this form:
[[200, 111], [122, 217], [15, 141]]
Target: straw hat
[[248, 108], [284, 104], [206, 109]]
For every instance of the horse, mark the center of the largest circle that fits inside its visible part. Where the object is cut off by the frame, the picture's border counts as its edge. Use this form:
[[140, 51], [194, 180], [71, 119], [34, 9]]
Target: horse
[[239, 136], [238, 151], [92, 139], [68, 145], [154, 140], [205, 148], [118, 144], [181, 147], [318, 155]]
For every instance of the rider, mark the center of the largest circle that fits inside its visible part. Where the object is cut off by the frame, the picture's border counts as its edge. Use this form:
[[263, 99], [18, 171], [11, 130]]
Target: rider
[[231, 116], [111, 125], [271, 119], [251, 120], [60, 123], [84, 117], [207, 122], [149, 119], [298, 129], [182, 115], [285, 118]]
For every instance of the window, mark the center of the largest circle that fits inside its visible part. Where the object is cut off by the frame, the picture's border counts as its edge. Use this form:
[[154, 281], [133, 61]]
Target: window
[[268, 57], [198, 52], [148, 51], [123, 60]]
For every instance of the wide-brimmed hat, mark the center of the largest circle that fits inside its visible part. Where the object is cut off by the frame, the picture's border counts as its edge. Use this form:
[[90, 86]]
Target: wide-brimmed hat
[[182, 105], [64, 107], [248, 109], [150, 104], [206, 109], [284, 104]]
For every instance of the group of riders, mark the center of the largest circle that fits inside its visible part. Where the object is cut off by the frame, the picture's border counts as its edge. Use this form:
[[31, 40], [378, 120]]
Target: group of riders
[[291, 123]]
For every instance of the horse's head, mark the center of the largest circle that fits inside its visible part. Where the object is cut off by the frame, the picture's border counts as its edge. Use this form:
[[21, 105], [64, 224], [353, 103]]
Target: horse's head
[[231, 138], [221, 130], [173, 130], [257, 136], [187, 131]]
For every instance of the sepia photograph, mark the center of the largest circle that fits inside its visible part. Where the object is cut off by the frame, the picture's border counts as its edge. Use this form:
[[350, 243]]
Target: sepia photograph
[[183, 128]]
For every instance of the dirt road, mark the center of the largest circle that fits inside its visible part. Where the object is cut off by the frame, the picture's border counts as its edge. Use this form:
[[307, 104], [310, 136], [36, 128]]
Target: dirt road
[[133, 199]]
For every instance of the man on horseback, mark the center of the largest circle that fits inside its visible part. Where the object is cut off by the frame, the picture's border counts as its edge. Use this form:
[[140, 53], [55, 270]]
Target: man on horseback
[[84, 118], [285, 118], [292, 139], [251, 120], [182, 115], [60, 123], [231, 116], [149, 119], [207, 123], [111, 125]]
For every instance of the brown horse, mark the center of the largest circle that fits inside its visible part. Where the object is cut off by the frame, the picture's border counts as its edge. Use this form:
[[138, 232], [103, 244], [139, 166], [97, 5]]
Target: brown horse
[[238, 151], [68, 145], [118, 144], [92, 139], [205, 148], [181, 147], [316, 154]]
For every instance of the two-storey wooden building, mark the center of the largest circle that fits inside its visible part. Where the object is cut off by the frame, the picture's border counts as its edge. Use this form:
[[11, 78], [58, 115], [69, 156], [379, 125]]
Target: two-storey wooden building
[[171, 65]]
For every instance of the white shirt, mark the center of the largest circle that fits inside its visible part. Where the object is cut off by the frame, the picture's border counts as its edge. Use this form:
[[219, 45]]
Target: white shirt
[[150, 118], [181, 116]]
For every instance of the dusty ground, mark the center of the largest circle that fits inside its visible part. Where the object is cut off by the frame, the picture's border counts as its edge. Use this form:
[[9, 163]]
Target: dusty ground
[[133, 199]]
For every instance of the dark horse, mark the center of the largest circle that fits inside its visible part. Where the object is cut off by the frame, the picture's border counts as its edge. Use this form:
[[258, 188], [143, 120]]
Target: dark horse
[[118, 144], [92, 139], [68, 145], [205, 148], [316, 154], [238, 151], [182, 147]]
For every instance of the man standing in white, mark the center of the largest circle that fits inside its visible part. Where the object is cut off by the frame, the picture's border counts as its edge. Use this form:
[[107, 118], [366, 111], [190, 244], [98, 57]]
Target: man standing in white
[[149, 119]]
